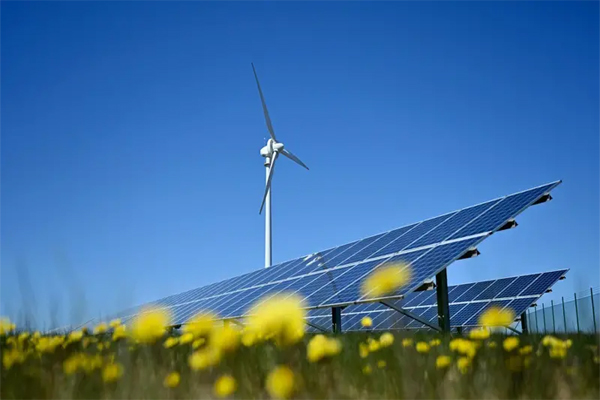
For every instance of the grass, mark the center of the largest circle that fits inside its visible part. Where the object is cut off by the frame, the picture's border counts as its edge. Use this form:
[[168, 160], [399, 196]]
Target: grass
[[494, 372]]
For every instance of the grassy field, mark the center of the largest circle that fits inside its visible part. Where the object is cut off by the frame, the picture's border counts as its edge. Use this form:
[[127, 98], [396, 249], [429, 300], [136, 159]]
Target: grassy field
[[96, 366]]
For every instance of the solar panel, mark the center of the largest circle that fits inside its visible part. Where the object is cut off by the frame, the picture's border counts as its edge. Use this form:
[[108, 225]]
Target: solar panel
[[465, 309], [332, 277]]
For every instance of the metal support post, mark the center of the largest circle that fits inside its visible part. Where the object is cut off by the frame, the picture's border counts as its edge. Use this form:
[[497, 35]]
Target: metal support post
[[576, 311], [441, 282], [553, 321], [593, 310], [336, 319], [544, 316], [524, 327], [564, 313]]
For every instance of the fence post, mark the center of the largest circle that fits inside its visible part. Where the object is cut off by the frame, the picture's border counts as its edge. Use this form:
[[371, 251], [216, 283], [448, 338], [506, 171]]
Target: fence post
[[553, 320], [576, 311], [564, 314], [537, 326], [544, 316], [593, 310]]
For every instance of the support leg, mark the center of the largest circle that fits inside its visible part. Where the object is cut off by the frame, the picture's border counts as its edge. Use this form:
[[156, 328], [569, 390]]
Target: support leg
[[524, 326], [441, 281], [336, 319]]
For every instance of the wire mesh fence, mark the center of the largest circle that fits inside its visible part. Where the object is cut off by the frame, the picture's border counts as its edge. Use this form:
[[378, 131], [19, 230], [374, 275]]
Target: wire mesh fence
[[580, 314]]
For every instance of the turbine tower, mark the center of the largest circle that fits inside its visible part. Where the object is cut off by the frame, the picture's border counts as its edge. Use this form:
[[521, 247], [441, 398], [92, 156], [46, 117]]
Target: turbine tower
[[270, 152]]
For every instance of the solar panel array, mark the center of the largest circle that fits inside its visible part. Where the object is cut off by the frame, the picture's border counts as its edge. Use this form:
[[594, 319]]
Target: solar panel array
[[467, 303], [333, 276]]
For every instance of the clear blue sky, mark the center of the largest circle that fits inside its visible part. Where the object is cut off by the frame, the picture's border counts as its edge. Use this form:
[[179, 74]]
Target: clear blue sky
[[131, 135]]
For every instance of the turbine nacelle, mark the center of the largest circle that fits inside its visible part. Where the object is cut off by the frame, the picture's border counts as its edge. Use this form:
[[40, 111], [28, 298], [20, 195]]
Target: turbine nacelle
[[270, 148]]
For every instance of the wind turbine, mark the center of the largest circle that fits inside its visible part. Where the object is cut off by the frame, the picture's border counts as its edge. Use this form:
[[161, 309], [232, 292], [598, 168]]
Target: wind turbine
[[270, 152]]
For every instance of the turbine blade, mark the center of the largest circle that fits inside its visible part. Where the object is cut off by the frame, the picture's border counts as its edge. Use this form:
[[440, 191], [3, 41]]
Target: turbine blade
[[264, 106], [268, 185], [292, 157]]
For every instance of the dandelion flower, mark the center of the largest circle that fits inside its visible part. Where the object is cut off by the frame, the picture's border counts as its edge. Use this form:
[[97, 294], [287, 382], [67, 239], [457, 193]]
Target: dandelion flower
[[558, 351], [280, 382], [112, 372], [186, 338], [197, 343], [170, 342], [114, 323], [442, 362], [435, 342], [496, 316], [381, 364], [6, 326], [280, 317], [366, 322], [172, 380], [12, 357], [492, 345], [363, 350], [150, 325], [225, 338], [71, 364], [201, 324], [407, 342], [386, 339], [463, 364], [75, 336], [510, 343], [422, 347], [526, 350], [119, 333], [373, 345], [100, 328], [463, 346], [385, 280], [224, 386], [204, 358], [367, 369], [320, 347], [479, 334]]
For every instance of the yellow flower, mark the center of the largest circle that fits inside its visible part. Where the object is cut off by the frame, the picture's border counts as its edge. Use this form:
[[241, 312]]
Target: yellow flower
[[6, 326], [172, 380], [435, 342], [280, 382], [373, 345], [422, 347], [558, 351], [526, 350], [249, 337], [114, 323], [36, 335], [201, 324], [367, 369], [100, 328], [23, 336], [225, 385], [112, 372], [204, 358], [225, 338], [386, 339], [11, 357], [280, 317], [550, 340], [492, 345], [463, 346], [381, 363], [119, 333], [495, 316], [568, 343], [75, 336], [197, 343], [510, 343], [407, 342], [320, 347], [186, 338], [366, 322], [463, 364], [71, 364], [91, 363], [479, 334], [150, 325], [442, 362], [386, 280], [170, 342], [363, 350]]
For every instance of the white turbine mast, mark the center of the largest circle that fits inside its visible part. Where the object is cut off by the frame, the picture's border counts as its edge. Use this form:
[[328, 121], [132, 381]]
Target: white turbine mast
[[270, 152]]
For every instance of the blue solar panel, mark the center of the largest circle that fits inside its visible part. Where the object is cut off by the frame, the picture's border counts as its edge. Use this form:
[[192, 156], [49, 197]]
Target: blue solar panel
[[462, 313], [333, 276]]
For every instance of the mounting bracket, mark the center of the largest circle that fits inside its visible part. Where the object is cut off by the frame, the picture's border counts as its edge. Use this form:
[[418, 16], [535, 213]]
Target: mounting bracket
[[411, 315]]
